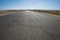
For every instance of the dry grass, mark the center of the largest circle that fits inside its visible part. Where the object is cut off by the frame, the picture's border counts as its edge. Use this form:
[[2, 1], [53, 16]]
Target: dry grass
[[56, 12], [5, 12]]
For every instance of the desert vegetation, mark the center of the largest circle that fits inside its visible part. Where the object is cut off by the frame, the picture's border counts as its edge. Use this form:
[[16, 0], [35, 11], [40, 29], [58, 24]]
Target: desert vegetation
[[56, 12], [4, 12]]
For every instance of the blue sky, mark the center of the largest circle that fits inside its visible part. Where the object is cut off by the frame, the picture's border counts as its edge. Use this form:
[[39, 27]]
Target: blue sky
[[30, 4]]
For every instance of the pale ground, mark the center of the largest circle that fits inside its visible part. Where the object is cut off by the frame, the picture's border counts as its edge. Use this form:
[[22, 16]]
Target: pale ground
[[29, 25]]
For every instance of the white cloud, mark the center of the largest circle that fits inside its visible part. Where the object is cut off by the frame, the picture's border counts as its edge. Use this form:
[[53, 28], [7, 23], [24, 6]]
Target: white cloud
[[33, 4], [37, 4]]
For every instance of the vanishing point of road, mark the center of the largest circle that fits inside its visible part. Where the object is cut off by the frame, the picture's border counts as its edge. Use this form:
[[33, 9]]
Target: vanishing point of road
[[27, 25]]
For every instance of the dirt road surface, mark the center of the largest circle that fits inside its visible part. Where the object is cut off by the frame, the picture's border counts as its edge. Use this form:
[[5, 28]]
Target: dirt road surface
[[29, 25]]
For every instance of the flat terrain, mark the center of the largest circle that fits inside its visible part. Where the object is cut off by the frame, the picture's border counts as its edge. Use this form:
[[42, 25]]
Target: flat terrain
[[54, 12], [27, 25]]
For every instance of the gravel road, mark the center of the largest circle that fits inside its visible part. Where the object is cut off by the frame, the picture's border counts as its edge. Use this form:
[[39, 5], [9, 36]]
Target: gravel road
[[29, 25]]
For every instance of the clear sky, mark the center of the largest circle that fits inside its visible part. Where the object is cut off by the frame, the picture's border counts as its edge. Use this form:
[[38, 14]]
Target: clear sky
[[30, 4]]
